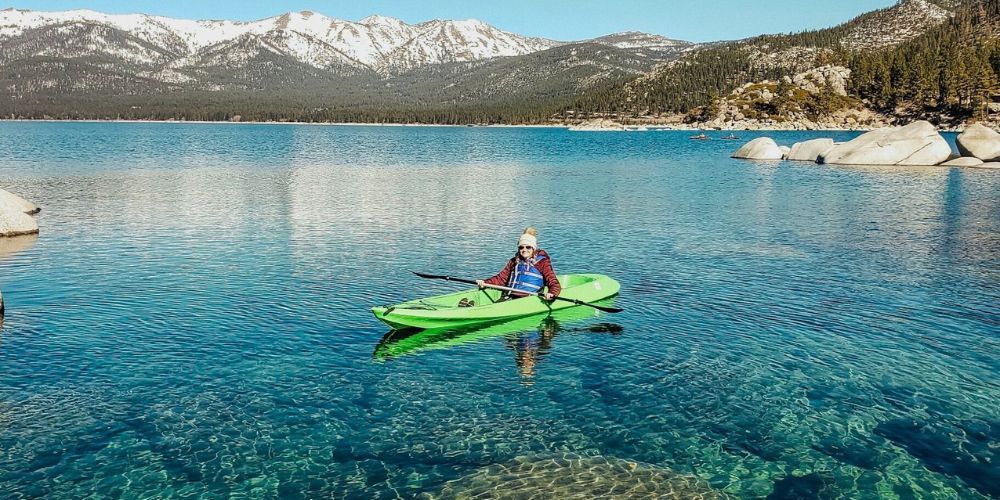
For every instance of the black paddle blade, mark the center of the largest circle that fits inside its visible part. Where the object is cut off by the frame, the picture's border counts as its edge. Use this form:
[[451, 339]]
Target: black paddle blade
[[440, 277], [588, 304], [605, 309], [429, 276]]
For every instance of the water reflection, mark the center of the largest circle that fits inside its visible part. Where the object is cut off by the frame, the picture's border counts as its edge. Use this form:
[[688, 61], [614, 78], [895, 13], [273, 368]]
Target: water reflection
[[11, 246], [530, 338], [531, 346]]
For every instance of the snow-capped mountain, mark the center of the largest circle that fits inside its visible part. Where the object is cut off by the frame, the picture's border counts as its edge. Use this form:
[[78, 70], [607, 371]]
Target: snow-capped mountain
[[76, 63], [381, 44]]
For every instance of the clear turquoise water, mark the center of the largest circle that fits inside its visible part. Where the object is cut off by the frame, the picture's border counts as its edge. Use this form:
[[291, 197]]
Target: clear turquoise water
[[193, 318]]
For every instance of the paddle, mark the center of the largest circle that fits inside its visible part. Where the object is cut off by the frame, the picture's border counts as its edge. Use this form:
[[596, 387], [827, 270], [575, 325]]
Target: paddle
[[507, 289]]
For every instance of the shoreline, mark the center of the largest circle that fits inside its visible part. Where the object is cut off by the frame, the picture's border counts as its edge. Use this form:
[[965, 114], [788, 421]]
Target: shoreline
[[249, 122], [624, 128]]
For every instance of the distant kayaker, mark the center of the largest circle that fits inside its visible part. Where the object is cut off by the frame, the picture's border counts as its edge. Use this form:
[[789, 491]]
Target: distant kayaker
[[528, 271]]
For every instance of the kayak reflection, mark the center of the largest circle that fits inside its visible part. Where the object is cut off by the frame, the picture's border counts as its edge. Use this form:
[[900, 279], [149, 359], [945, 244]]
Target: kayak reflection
[[530, 346], [530, 337]]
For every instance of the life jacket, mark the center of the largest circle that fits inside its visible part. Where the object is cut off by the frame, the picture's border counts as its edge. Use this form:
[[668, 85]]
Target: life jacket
[[526, 277]]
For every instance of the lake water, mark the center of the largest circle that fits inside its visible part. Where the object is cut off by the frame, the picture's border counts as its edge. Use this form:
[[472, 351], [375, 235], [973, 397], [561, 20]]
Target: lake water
[[193, 319]]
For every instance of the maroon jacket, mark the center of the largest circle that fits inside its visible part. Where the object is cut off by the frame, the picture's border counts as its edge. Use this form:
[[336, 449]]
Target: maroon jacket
[[545, 267]]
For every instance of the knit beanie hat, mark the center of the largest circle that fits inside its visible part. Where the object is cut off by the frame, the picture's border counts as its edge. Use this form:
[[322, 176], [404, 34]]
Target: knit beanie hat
[[527, 240]]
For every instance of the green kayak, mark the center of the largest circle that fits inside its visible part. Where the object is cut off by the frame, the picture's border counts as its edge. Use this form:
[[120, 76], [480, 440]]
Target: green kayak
[[444, 311]]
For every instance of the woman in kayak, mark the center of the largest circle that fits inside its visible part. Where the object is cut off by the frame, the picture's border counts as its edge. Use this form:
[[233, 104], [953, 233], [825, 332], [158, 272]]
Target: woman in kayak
[[527, 271]]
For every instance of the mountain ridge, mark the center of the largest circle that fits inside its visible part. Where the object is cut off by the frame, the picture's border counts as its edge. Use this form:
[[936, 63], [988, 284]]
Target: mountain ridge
[[380, 43]]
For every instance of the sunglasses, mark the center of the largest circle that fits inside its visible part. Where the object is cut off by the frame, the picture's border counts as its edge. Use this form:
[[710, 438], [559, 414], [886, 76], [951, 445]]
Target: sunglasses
[[522, 247]]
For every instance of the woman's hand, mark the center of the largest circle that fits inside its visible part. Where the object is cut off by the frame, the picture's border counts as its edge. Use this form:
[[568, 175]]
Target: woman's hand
[[481, 284], [549, 297]]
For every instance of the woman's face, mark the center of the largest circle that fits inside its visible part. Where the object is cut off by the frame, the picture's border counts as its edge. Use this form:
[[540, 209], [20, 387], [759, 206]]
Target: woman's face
[[525, 251]]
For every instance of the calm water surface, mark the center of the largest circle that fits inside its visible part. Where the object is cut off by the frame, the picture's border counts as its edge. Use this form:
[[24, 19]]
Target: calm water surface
[[193, 319]]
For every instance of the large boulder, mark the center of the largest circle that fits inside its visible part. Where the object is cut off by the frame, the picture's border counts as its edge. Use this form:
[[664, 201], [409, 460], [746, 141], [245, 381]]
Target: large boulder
[[965, 161], [761, 148], [980, 142], [810, 150], [918, 143], [598, 125], [8, 198], [15, 222]]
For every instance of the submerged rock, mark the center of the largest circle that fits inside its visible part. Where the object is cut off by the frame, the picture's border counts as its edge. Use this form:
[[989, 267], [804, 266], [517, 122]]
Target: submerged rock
[[10, 199], [967, 449], [810, 150], [808, 486], [980, 142], [965, 161], [918, 143], [577, 477], [761, 148]]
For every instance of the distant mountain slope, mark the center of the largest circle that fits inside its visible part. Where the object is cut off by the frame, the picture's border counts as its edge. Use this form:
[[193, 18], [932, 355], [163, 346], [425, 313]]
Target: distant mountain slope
[[564, 71], [895, 25]]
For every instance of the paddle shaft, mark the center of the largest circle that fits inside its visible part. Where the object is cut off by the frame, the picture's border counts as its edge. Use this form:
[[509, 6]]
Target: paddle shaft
[[508, 289]]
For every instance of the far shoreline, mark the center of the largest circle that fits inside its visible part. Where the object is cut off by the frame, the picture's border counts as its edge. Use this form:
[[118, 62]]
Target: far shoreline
[[492, 125], [625, 128]]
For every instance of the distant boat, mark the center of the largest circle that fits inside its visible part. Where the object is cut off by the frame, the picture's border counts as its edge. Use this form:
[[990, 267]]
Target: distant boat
[[730, 137], [700, 137]]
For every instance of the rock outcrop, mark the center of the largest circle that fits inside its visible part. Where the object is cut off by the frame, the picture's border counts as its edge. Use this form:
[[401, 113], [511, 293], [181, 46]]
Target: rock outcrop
[[918, 143], [810, 150], [13, 223], [14, 218], [980, 142], [813, 81], [8, 198], [761, 148], [965, 161], [598, 125]]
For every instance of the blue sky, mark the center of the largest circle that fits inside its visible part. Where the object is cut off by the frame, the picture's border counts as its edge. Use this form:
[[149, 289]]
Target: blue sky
[[695, 20]]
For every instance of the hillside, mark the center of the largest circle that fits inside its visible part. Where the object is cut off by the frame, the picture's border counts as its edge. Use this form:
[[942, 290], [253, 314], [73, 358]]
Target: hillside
[[910, 59]]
